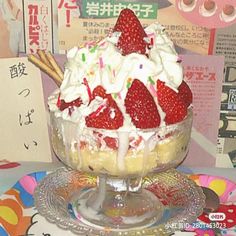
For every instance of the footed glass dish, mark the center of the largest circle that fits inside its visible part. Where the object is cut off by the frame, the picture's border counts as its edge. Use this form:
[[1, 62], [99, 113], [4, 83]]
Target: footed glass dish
[[182, 202], [120, 160]]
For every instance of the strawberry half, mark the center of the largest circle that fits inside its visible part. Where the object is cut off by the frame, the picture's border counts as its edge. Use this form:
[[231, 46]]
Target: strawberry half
[[185, 93], [171, 103], [132, 35], [141, 106], [108, 116]]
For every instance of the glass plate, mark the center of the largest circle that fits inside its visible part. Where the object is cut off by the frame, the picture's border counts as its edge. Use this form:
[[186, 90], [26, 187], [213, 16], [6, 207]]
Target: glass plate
[[182, 198]]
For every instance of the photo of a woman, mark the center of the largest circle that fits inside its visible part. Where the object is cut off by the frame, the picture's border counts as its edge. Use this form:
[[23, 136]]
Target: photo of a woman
[[10, 25]]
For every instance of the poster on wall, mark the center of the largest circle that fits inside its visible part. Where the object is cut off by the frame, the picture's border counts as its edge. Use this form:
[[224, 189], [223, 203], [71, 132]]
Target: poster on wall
[[88, 20], [197, 27]]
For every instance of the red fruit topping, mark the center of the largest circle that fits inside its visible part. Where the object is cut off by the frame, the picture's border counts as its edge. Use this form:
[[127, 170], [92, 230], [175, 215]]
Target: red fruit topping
[[111, 142], [62, 105], [108, 116], [85, 82], [101, 92], [171, 103], [141, 106], [132, 33], [185, 93]]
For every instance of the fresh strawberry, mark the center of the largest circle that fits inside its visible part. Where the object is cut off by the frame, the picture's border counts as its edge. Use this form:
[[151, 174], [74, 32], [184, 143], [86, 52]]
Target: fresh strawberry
[[141, 106], [185, 93], [171, 103], [108, 116], [62, 105], [132, 33]]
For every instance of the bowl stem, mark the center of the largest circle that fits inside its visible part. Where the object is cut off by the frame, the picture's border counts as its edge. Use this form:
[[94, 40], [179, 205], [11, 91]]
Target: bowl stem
[[118, 204]]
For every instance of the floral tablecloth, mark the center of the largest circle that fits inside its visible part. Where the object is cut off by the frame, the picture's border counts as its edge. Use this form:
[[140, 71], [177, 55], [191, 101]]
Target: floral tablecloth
[[18, 216]]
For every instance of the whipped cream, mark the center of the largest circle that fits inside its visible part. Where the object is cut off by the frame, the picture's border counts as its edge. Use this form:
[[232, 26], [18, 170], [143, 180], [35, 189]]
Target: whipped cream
[[102, 64]]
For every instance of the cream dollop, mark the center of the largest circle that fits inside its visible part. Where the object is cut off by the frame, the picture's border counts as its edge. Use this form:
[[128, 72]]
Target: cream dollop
[[103, 64]]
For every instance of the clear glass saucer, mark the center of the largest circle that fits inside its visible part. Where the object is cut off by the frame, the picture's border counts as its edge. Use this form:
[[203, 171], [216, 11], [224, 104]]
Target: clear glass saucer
[[183, 202]]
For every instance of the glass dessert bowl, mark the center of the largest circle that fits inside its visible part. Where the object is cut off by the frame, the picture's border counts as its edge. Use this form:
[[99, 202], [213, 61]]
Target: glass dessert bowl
[[122, 113], [119, 159]]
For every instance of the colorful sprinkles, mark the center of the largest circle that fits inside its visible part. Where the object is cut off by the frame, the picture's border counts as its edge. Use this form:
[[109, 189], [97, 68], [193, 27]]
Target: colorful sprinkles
[[151, 80], [93, 49], [85, 82], [152, 86], [152, 42], [129, 82], [114, 73], [101, 64], [114, 95], [153, 90], [83, 57]]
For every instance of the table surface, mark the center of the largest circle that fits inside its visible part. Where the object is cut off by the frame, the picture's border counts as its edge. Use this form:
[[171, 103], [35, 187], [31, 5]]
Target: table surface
[[8, 177]]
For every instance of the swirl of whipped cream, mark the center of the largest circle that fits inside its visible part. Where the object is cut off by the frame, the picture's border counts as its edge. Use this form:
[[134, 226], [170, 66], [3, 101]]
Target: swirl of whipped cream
[[103, 64], [163, 52]]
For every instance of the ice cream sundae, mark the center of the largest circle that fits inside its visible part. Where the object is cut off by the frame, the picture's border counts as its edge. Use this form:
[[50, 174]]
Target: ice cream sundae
[[122, 110], [120, 101]]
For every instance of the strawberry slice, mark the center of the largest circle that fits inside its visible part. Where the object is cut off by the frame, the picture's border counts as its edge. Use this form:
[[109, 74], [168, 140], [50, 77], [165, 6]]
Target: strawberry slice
[[108, 116], [185, 93], [171, 103], [111, 142], [62, 105], [141, 106], [132, 35]]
